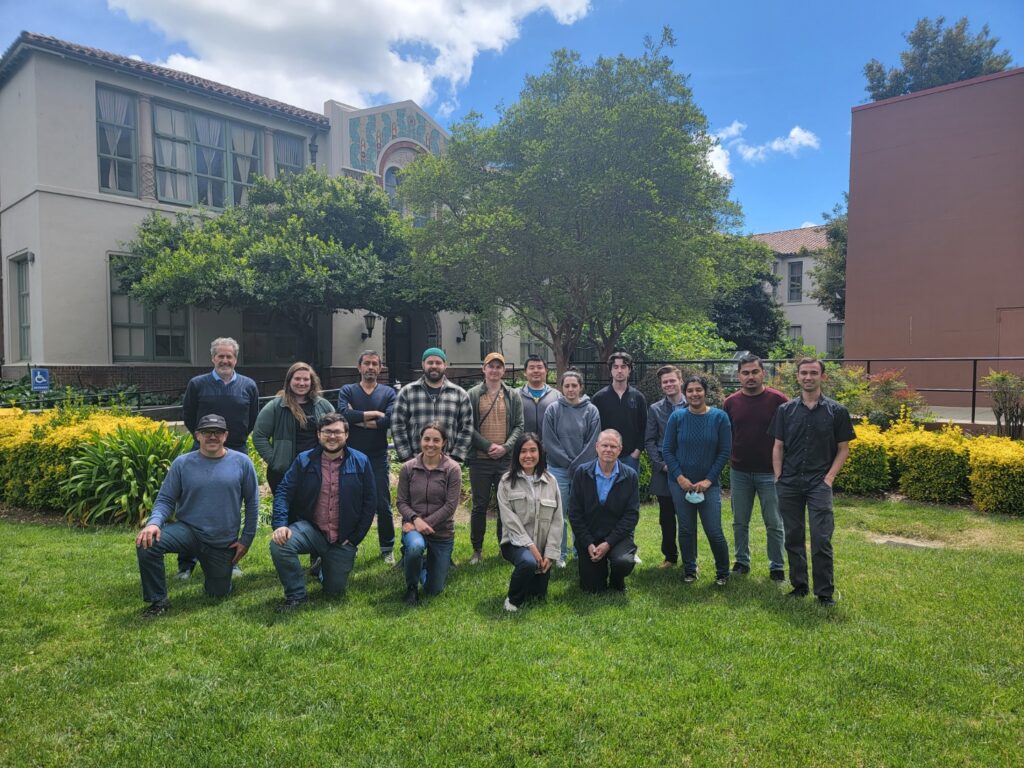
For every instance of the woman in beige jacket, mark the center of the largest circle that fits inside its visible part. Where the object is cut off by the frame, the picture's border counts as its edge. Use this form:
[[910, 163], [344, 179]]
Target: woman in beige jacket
[[530, 506]]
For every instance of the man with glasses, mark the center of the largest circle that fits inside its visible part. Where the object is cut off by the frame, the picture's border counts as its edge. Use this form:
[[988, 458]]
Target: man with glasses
[[329, 492], [204, 490]]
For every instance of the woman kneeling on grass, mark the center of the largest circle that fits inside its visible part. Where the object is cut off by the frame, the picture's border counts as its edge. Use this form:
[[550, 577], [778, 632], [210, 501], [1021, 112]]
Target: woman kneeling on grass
[[428, 493], [530, 506]]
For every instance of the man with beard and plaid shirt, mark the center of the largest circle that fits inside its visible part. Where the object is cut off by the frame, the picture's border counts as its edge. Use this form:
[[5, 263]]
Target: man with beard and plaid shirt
[[432, 398]]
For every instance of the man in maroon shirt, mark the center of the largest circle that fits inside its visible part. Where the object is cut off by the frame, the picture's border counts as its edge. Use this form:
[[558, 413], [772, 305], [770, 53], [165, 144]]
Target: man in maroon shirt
[[750, 411]]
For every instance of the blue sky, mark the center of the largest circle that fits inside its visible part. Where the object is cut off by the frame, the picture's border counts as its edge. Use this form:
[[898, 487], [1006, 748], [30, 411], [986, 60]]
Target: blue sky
[[776, 80]]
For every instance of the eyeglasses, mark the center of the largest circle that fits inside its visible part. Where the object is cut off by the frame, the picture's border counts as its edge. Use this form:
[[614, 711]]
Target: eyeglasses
[[333, 432], [211, 432]]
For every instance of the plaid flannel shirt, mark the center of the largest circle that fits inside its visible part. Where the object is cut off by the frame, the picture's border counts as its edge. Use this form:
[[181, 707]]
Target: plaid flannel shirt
[[414, 408]]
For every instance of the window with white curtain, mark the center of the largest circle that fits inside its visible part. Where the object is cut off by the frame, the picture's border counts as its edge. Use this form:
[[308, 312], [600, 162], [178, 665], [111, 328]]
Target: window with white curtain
[[288, 154], [116, 141], [142, 334]]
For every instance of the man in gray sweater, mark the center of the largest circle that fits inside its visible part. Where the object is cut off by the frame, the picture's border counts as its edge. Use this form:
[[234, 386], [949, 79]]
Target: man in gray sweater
[[571, 426], [205, 490]]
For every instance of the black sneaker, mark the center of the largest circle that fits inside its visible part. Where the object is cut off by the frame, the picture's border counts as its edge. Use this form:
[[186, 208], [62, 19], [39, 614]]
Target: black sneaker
[[315, 567], [412, 596], [829, 601], [185, 573], [740, 568], [777, 575], [689, 578], [290, 604], [797, 592], [721, 581], [159, 608]]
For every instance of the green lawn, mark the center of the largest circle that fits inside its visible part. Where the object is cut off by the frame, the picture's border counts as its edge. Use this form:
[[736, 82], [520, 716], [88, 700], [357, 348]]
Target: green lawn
[[920, 664]]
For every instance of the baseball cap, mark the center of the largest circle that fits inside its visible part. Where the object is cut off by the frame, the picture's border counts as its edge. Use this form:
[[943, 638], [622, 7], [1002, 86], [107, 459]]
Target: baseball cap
[[212, 421], [494, 356]]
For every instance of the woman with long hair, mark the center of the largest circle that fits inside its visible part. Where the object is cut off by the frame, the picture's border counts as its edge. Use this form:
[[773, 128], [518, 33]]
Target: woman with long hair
[[287, 424], [530, 505], [429, 485]]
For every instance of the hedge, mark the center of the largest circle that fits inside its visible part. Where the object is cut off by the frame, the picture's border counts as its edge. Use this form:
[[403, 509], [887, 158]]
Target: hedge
[[997, 475], [867, 469], [935, 466]]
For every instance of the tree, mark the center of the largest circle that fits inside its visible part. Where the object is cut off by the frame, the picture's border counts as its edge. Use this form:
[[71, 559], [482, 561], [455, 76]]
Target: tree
[[745, 314], [829, 271], [302, 245], [590, 204], [936, 56]]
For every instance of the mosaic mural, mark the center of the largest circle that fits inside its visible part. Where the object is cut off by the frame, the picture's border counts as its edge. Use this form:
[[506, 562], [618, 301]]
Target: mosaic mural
[[371, 133]]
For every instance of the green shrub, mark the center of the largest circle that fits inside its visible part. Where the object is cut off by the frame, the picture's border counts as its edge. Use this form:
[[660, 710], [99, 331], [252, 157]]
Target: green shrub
[[115, 478], [936, 466], [997, 475], [1007, 402], [866, 471], [644, 476], [257, 461]]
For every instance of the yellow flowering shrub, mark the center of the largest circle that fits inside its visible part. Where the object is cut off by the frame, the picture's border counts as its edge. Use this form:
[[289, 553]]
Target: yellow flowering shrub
[[934, 465], [867, 469], [997, 475]]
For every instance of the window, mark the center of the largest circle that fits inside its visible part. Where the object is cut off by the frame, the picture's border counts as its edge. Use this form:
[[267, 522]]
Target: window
[[795, 332], [288, 154], [834, 340], [266, 340], [391, 187], [116, 142], [530, 346], [219, 157], [141, 334], [796, 281], [490, 336], [21, 288]]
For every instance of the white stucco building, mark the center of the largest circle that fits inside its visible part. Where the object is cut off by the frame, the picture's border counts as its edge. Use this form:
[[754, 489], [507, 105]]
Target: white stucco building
[[94, 141]]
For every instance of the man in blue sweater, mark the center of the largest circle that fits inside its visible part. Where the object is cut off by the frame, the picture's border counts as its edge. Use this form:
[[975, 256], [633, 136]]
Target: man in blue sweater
[[228, 394], [204, 490], [367, 406]]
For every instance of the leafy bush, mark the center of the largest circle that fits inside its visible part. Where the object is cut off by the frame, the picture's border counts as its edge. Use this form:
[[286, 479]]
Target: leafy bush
[[19, 392], [936, 466], [889, 398], [997, 475], [1007, 402], [847, 384], [115, 477], [643, 475], [867, 469], [651, 387]]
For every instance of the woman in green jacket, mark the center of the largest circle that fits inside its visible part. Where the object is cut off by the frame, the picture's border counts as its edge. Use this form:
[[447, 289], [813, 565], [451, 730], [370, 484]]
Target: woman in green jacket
[[287, 424]]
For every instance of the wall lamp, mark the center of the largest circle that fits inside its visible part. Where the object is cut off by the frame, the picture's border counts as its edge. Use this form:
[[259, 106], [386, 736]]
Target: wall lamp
[[369, 320], [464, 329]]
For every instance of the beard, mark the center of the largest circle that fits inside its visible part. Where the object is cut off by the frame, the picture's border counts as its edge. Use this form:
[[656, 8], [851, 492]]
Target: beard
[[434, 375]]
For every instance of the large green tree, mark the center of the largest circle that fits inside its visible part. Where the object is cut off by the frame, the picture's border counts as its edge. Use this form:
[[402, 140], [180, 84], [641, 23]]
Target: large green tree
[[829, 272], [590, 205], [301, 246], [936, 56]]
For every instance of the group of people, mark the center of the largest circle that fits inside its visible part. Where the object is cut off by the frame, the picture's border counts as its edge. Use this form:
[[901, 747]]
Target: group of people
[[556, 460]]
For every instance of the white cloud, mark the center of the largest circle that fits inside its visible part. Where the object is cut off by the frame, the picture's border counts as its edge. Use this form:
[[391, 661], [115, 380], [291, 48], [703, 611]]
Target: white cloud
[[359, 52], [718, 155], [731, 138], [807, 224]]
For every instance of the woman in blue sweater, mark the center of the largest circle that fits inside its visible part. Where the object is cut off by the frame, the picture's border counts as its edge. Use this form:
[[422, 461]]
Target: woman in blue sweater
[[698, 439]]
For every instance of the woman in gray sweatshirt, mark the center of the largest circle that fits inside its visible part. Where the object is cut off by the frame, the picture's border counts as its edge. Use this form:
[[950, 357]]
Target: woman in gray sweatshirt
[[571, 427]]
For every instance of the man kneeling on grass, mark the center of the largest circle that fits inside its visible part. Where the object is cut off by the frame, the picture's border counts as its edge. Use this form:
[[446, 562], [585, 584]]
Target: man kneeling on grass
[[324, 505], [204, 489]]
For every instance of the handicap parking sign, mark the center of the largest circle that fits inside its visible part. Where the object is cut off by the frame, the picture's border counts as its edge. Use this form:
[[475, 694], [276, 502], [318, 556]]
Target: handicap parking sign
[[40, 379]]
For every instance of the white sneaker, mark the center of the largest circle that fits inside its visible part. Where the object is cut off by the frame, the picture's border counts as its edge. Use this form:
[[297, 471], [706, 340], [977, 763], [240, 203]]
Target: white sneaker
[[389, 558], [637, 560], [510, 607], [561, 564], [477, 558], [235, 572]]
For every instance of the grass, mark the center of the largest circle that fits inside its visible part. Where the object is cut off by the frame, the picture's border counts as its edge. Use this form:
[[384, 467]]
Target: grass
[[920, 664]]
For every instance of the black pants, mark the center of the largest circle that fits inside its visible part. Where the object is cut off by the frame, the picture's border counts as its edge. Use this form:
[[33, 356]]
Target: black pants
[[525, 581], [611, 570], [794, 495], [669, 528], [484, 475]]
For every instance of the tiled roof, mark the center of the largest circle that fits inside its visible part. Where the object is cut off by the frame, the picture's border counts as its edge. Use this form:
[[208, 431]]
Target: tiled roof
[[792, 240], [27, 41]]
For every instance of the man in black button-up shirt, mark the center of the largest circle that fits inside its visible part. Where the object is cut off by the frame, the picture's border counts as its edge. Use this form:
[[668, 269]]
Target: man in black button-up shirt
[[812, 441]]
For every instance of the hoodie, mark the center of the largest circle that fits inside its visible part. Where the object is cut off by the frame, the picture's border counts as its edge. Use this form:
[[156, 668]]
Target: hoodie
[[570, 433]]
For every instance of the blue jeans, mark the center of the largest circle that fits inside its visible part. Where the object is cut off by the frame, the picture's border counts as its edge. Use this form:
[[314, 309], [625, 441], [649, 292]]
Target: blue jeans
[[525, 581], [564, 480], [434, 556], [710, 511], [180, 538], [337, 560], [744, 485], [385, 522]]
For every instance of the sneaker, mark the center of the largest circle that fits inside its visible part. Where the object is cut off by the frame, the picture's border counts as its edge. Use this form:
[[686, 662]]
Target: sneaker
[[159, 608], [666, 564], [510, 606], [389, 558], [829, 602], [637, 560], [740, 568], [290, 604], [561, 564], [477, 557], [315, 567], [235, 571], [797, 592], [412, 596], [689, 578], [184, 574], [721, 581], [777, 575]]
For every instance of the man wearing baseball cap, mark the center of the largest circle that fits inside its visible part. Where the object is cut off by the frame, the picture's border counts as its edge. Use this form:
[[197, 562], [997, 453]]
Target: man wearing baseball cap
[[432, 398], [497, 424], [204, 490]]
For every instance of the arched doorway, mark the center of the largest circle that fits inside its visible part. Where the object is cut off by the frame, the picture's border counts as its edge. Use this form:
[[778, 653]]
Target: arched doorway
[[405, 338]]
